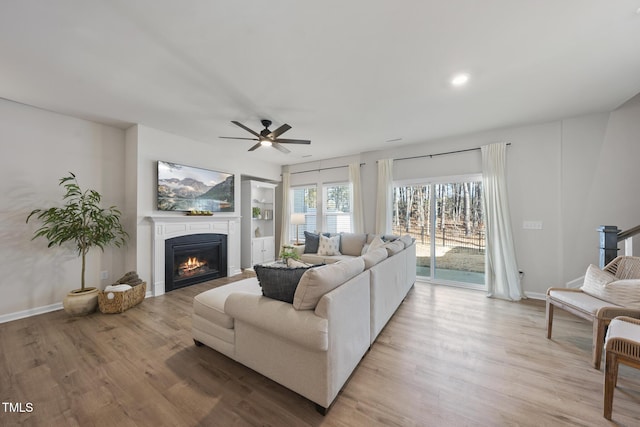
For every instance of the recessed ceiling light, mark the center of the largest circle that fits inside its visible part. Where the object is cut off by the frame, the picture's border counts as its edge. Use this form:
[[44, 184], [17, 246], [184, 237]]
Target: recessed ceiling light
[[460, 79]]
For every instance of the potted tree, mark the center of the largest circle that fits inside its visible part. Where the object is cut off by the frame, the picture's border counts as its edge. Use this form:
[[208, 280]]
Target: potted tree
[[84, 223]]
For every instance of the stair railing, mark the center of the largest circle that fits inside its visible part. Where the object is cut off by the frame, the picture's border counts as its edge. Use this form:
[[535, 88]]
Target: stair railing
[[610, 236], [627, 237]]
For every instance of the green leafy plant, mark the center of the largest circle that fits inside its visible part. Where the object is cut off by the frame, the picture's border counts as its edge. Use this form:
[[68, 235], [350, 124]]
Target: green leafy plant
[[287, 252], [255, 212], [81, 221]]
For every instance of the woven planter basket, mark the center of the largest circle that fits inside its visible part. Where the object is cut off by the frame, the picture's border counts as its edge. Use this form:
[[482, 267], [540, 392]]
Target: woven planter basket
[[117, 302]]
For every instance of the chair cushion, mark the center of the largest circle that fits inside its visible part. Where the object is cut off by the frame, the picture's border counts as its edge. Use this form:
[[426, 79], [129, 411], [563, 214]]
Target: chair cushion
[[620, 329], [317, 281], [595, 281], [580, 300]]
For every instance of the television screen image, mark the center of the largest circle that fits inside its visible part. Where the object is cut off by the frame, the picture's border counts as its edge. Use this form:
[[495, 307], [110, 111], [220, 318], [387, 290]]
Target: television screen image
[[186, 188]]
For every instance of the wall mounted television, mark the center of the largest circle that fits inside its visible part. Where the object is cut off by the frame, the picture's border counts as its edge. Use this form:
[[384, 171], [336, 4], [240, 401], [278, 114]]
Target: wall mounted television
[[187, 188]]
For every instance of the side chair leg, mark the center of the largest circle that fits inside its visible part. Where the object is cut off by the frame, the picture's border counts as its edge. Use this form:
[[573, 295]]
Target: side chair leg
[[610, 377], [598, 341], [549, 318]]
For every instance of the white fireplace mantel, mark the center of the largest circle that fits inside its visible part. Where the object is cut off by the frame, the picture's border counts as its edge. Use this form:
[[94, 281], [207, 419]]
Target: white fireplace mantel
[[168, 227]]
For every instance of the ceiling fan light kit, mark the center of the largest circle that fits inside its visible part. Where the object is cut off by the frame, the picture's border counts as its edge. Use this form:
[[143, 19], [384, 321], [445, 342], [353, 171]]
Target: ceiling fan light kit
[[268, 138]]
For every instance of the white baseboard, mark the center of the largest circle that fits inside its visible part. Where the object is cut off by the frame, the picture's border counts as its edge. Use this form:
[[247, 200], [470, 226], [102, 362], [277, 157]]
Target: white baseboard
[[536, 295], [575, 283], [30, 312]]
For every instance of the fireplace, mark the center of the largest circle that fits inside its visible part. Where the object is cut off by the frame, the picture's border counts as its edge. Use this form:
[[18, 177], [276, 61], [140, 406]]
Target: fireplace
[[194, 259]]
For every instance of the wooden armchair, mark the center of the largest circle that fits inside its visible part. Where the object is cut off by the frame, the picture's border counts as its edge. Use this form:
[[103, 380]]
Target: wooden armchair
[[602, 306], [622, 346]]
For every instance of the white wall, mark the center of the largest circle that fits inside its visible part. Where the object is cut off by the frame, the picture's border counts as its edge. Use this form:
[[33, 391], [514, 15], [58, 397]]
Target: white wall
[[573, 175], [149, 145], [39, 148]]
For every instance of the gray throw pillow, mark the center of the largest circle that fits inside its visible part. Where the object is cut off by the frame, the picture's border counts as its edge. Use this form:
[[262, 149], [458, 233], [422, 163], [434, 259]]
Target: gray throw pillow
[[312, 241], [279, 282]]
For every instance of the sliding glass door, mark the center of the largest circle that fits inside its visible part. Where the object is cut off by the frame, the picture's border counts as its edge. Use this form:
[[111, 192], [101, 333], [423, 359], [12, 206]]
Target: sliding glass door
[[445, 217]]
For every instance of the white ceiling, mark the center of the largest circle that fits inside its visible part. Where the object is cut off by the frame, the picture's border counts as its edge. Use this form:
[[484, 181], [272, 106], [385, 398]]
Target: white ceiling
[[349, 75]]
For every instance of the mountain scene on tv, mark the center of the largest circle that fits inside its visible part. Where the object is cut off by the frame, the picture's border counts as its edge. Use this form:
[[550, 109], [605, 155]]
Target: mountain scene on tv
[[185, 188]]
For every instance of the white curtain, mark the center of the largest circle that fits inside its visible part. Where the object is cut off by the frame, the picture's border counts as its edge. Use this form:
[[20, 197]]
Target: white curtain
[[286, 211], [357, 214], [501, 269], [384, 197]]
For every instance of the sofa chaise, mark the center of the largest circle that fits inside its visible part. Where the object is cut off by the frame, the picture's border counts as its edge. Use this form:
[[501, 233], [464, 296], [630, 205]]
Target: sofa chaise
[[312, 344]]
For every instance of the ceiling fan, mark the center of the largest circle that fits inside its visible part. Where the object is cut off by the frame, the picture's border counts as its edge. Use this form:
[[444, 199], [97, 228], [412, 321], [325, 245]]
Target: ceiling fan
[[268, 138]]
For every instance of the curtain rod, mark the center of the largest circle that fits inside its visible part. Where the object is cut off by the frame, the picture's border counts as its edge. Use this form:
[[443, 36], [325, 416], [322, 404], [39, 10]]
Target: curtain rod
[[441, 154], [324, 169]]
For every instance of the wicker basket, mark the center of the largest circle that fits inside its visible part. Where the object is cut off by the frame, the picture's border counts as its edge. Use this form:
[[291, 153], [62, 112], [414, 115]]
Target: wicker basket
[[117, 302]]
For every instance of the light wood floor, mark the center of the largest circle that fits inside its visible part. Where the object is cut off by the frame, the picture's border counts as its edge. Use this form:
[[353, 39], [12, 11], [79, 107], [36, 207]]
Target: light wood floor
[[449, 357]]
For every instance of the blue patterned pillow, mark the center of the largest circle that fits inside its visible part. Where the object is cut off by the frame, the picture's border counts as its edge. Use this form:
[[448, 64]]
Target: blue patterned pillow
[[279, 282]]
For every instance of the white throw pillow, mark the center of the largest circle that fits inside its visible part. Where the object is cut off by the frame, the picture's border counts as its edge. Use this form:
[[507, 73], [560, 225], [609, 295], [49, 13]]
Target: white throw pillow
[[375, 244], [394, 247], [407, 240], [329, 246], [373, 257], [294, 263], [624, 292], [595, 281]]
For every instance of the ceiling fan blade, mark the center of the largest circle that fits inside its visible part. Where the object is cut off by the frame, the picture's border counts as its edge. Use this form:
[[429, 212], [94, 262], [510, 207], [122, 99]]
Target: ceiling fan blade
[[293, 141], [280, 147], [237, 137], [258, 145], [276, 133], [251, 131]]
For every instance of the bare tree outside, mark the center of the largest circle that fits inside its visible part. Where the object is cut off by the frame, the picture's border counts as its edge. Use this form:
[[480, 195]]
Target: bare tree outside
[[459, 232]]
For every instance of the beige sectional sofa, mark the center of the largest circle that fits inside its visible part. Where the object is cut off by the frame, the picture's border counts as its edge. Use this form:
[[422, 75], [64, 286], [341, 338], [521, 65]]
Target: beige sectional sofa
[[312, 345]]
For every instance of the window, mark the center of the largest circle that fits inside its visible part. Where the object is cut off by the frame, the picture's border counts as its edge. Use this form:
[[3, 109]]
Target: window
[[337, 208], [304, 200], [446, 219]]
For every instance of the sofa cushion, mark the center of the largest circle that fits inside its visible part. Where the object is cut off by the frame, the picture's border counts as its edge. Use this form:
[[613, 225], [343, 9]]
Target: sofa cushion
[[317, 281], [329, 245], [279, 282], [406, 240], [316, 259], [373, 257], [352, 243], [311, 242], [595, 281], [210, 304], [394, 247]]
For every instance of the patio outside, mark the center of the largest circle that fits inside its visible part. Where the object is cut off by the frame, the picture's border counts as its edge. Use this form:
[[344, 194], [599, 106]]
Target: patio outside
[[459, 233]]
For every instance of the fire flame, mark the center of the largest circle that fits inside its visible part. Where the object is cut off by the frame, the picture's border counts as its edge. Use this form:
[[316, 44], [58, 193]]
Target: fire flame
[[191, 264]]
